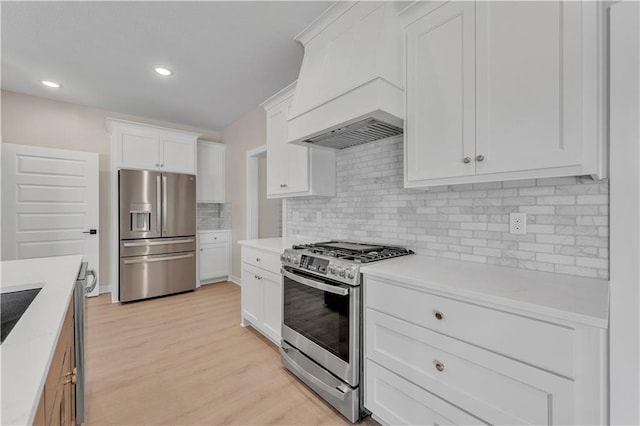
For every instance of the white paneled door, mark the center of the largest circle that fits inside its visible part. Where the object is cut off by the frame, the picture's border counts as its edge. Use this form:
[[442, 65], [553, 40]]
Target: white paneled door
[[49, 203]]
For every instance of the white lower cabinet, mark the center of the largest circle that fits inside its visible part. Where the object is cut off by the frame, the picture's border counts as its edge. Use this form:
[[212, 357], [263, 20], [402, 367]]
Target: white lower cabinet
[[214, 256], [262, 292], [398, 401], [431, 359]]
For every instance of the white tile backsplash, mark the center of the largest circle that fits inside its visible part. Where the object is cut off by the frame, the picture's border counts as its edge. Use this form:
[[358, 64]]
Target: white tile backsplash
[[213, 216], [567, 218]]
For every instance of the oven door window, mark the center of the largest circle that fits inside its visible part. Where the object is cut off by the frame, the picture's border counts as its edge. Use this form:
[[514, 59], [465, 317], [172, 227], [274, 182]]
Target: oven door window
[[318, 315]]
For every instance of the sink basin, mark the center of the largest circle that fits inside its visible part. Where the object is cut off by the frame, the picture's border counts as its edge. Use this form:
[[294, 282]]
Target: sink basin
[[12, 307]]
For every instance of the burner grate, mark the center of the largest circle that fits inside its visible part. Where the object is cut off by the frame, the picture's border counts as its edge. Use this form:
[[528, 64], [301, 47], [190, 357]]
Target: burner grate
[[354, 252]]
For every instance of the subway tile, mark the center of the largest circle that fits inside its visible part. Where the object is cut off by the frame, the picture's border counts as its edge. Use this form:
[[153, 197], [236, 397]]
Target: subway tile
[[567, 223]]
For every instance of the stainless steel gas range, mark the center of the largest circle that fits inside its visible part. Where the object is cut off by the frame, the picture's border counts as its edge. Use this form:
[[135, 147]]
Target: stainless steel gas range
[[322, 317]]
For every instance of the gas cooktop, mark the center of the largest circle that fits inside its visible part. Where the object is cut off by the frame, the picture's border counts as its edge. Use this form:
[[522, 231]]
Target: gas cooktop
[[337, 260], [354, 252]]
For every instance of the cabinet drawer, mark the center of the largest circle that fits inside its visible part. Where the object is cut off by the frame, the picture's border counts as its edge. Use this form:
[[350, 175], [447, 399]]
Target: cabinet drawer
[[262, 259], [494, 388], [539, 343], [214, 237], [398, 402]]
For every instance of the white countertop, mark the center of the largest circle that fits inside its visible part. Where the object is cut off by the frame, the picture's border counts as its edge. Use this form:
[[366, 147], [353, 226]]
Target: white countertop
[[26, 353], [565, 297], [275, 245]]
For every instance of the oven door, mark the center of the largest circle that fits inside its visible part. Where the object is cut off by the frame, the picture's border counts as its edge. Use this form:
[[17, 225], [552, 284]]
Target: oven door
[[321, 318]]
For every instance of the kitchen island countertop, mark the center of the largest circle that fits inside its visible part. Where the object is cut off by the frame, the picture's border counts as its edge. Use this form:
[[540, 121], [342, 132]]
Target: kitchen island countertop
[[26, 354]]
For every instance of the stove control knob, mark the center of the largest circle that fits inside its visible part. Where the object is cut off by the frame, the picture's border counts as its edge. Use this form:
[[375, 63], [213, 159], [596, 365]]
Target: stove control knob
[[288, 258], [340, 271], [296, 259], [332, 269], [282, 258], [351, 273]]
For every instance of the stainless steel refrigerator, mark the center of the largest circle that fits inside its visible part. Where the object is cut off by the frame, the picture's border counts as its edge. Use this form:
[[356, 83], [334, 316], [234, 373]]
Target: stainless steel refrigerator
[[157, 233]]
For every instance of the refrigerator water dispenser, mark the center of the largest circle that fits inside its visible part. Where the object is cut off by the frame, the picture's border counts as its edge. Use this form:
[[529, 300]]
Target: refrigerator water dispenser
[[140, 217]]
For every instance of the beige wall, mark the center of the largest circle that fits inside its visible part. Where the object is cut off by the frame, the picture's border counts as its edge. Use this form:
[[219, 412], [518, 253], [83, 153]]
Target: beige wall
[[269, 210], [31, 120], [245, 134]]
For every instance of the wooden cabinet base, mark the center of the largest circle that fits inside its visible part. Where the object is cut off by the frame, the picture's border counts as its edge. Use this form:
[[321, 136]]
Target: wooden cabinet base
[[57, 404]]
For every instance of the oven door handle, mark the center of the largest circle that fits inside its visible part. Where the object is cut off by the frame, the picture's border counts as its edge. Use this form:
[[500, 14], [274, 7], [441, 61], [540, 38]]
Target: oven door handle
[[342, 291]]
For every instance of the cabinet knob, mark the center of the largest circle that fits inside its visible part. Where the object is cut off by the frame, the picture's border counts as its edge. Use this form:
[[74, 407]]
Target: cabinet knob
[[258, 259], [283, 185], [257, 277], [201, 249], [466, 160], [480, 157], [439, 315], [157, 165], [215, 238], [439, 366]]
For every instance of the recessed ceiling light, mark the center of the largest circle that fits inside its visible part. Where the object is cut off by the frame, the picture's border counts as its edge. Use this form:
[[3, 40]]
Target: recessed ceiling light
[[163, 71], [51, 84]]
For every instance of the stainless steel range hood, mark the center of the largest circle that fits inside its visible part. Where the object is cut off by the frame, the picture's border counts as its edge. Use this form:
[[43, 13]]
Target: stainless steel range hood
[[350, 89]]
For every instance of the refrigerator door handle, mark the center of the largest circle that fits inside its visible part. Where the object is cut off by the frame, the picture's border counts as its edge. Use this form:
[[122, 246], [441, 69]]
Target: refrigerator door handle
[[158, 201], [157, 259], [164, 204], [158, 243]]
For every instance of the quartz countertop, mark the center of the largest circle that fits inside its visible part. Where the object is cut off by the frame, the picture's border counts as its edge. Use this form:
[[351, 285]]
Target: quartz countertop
[[274, 245], [564, 297], [26, 354]]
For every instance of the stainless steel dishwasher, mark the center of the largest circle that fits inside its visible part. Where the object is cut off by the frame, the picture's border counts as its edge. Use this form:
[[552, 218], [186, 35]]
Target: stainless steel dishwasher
[[83, 287]]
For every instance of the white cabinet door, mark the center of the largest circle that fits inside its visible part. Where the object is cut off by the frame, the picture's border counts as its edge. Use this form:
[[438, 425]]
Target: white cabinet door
[[213, 261], [177, 155], [440, 124], [294, 170], [399, 402], [298, 178], [529, 85], [278, 149], [211, 172], [138, 148], [251, 295], [271, 307]]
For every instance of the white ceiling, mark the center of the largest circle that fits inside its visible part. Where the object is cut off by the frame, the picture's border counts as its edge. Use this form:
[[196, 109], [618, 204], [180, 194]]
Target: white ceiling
[[227, 56]]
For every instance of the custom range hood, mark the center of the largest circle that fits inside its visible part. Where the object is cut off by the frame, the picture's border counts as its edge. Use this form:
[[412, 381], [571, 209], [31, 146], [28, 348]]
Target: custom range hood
[[351, 86]]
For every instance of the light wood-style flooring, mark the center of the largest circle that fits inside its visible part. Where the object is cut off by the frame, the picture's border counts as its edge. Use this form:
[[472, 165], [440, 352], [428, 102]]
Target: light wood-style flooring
[[185, 359]]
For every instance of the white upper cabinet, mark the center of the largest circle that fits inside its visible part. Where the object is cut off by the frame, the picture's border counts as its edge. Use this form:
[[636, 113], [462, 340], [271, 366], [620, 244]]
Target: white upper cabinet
[[503, 90], [211, 172], [177, 154], [294, 170], [140, 146], [441, 93]]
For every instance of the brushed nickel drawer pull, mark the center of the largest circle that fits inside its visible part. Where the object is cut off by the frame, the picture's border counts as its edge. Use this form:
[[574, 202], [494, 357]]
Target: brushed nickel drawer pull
[[439, 366], [439, 315]]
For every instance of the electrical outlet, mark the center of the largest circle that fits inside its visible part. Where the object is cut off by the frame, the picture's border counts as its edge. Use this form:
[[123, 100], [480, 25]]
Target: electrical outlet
[[518, 223]]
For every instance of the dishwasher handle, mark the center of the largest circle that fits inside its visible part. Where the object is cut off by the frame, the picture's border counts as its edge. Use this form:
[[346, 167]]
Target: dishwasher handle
[[94, 282]]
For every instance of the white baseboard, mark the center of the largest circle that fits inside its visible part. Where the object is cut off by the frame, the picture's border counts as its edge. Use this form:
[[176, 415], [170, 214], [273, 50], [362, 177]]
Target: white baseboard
[[105, 288], [235, 280]]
